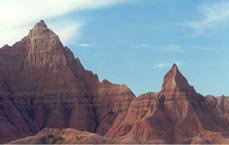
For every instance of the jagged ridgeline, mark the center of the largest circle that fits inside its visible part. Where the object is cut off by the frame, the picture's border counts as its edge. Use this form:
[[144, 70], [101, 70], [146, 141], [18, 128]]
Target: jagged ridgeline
[[46, 96]]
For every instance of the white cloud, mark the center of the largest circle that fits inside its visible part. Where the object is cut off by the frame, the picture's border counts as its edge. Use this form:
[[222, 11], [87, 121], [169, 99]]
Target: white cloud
[[204, 48], [162, 65], [213, 15], [17, 16], [67, 30], [85, 45], [167, 48], [173, 48], [145, 45]]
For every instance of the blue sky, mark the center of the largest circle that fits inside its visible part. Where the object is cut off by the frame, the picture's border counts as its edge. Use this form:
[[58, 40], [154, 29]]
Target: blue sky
[[135, 42]]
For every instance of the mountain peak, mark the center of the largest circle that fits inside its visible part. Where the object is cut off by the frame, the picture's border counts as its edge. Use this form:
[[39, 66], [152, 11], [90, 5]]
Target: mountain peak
[[174, 82], [174, 66], [41, 33], [174, 69], [41, 29], [43, 46], [41, 23]]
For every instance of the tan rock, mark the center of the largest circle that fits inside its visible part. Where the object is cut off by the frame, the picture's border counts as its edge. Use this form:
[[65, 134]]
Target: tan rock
[[174, 115], [43, 85], [65, 136], [48, 87]]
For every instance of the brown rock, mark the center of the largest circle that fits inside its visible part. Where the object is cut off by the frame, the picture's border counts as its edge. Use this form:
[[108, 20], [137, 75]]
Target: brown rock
[[175, 82], [65, 136], [221, 104], [36, 73], [174, 115], [48, 87], [43, 85]]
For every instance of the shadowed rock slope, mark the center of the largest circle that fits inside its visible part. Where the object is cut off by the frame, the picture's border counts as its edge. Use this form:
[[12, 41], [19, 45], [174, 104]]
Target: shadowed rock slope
[[46, 96], [177, 114], [220, 104], [43, 85]]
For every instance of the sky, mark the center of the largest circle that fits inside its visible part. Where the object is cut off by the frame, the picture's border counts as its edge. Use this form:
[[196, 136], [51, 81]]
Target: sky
[[134, 42]]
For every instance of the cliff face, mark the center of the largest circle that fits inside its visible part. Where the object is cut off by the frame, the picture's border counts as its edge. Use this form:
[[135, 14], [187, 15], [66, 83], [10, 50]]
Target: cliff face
[[177, 114], [38, 60], [43, 85], [175, 82], [220, 104]]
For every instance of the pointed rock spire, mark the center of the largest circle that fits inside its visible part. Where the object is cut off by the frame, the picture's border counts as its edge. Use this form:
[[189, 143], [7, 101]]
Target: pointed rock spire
[[40, 29], [175, 82], [41, 24], [44, 46], [43, 38]]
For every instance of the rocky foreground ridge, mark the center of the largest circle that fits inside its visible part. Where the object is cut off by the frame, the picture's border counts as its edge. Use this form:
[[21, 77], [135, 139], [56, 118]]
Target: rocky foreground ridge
[[46, 96]]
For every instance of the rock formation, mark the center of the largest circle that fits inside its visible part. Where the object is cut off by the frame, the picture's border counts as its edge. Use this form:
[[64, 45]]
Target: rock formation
[[43, 85], [46, 96], [175, 82], [177, 114], [221, 104], [65, 136]]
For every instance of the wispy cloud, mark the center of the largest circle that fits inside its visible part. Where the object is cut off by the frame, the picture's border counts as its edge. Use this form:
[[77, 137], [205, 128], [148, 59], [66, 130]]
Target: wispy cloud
[[212, 15], [85, 45], [166, 47], [173, 48], [143, 45], [18, 16], [204, 48], [71, 30], [162, 65]]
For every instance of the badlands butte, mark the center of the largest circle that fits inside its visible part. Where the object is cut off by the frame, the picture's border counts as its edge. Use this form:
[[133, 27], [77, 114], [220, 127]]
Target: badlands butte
[[46, 96]]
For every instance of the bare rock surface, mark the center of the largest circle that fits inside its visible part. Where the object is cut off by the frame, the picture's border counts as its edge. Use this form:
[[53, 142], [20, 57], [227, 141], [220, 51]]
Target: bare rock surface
[[65, 136], [174, 115], [43, 85], [46, 96], [175, 82], [221, 104]]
